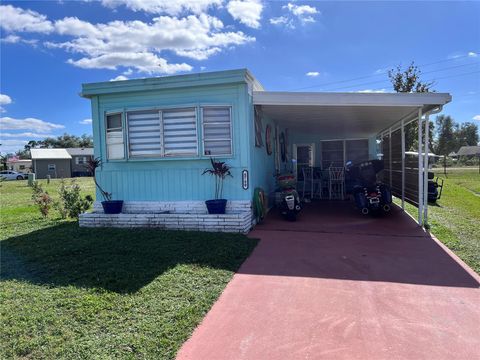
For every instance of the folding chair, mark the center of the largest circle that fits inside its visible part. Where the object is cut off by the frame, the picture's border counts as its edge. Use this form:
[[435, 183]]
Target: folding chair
[[336, 184], [307, 182]]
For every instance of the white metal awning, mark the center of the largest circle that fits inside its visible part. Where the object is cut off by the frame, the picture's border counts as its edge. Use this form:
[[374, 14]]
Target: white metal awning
[[352, 115], [342, 115]]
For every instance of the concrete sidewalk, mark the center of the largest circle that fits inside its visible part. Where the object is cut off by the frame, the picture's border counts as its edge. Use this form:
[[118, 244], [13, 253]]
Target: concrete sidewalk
[[352, 288]]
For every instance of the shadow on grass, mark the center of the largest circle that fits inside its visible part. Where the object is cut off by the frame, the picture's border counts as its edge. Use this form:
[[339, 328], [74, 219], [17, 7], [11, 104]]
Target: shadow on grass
[[119, 260]]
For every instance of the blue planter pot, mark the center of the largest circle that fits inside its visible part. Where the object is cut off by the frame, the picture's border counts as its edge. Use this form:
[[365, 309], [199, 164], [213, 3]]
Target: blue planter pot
[[112, 206], [216, 206]]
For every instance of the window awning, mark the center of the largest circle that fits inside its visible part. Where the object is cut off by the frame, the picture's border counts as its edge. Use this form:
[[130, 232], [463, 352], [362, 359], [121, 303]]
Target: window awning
[[345, 115]]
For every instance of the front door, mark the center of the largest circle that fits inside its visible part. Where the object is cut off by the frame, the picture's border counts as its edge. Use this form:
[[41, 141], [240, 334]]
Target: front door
[[305, 156]]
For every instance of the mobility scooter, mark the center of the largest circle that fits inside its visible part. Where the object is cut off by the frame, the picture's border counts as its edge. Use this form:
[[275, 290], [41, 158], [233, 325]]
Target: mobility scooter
[[370, 195]]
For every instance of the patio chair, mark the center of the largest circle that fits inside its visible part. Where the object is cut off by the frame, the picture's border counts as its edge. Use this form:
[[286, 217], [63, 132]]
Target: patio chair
[[319, 183], [336, 183], [307, 182]]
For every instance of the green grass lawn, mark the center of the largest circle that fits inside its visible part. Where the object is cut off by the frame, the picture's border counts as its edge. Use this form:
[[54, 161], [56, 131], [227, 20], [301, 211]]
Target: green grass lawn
[[455, 219], [70, 292]]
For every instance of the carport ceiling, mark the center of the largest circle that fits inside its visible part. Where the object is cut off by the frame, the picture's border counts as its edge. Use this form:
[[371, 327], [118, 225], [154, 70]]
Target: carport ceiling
[[344, 115]]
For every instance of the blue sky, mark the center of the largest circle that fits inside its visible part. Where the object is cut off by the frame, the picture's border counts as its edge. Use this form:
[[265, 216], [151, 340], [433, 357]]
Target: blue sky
[[49, 48]]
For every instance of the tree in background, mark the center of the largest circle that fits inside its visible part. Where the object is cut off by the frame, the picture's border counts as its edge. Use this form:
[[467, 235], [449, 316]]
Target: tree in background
[[446, 141], [408, 81], [60, 142], [3, 162], [466, 135], [65, 141], [23, 154]]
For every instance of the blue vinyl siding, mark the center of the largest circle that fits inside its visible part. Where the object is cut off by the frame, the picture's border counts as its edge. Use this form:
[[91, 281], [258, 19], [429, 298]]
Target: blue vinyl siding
[[173, 178]]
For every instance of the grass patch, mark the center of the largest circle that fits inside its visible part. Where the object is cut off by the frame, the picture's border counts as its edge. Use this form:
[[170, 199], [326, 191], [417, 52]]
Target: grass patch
[[455, 219], [70, 292]]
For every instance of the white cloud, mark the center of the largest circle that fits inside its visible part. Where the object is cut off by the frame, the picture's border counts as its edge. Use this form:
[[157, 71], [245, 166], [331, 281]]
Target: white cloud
[[75, 27], [8, 123], [119, 78], [170, 7], [476, 117], [283, 21], [17, 19], [5, 99], [128, 72], [11, 39], [279, 20], [86, 121], [296, 14], [138, 45], [472, 54], [248, 12], [312, 73], [143, 62], [30, 135], [372, 91], [11, 146], [304, 13], [15, 39]]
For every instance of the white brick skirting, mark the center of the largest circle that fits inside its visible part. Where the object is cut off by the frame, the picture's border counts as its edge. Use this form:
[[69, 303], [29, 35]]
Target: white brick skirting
[[186, 207], [182, 215]]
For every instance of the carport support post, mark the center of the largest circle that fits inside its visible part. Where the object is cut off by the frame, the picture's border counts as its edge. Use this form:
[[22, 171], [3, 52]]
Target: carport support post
[[390, 154], [403, 164], [425, 171], [420, 169]]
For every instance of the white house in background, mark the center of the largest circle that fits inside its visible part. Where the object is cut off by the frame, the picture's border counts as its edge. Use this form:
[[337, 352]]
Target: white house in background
[[19, 165]]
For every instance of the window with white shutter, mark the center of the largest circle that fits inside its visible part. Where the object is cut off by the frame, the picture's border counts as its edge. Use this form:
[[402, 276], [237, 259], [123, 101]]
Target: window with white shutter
[[180, 132], [144, 133], [115, 144], [217, 130]]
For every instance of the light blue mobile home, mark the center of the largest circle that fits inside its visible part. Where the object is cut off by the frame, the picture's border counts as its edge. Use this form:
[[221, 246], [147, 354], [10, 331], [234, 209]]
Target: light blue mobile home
[[155, 136]]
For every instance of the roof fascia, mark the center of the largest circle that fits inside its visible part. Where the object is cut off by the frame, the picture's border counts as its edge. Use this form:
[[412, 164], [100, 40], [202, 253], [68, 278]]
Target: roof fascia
[[167, 82], [349, 99]]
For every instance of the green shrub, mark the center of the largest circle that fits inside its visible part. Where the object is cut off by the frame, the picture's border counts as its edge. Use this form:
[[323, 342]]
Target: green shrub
[[71, 203], [41, 198]]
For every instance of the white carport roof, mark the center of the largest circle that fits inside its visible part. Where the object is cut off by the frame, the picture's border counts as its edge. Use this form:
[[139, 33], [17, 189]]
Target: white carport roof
[[345, 115]]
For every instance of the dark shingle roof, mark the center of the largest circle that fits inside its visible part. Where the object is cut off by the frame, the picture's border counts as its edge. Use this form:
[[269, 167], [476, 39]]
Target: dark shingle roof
[[469, 150]]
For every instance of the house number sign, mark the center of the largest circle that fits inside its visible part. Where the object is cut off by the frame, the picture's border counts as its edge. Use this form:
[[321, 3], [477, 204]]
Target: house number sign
[[245, 179]]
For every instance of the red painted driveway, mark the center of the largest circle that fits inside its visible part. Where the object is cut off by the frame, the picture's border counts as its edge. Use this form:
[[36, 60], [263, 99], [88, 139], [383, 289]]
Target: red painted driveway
[[336, 285]]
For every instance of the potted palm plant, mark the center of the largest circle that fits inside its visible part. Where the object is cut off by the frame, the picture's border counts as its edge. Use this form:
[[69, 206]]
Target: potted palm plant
[[220, 170], [109, 206]]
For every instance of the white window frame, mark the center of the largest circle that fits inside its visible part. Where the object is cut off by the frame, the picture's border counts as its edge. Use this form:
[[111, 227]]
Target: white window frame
[[202, 107], [51, 167], [160, 111], [122, 128], [77, 160]]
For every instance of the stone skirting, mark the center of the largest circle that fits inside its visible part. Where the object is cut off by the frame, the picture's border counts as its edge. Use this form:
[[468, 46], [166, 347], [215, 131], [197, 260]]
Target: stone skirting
[[175, 215]]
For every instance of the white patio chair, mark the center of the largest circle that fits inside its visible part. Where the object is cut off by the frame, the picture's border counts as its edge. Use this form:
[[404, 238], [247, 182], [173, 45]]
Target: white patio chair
[[307, 182], [336, 184]]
